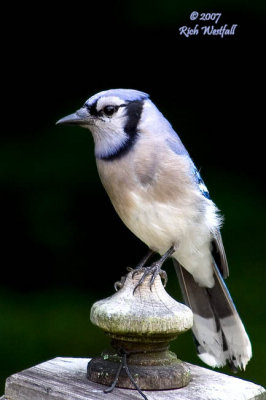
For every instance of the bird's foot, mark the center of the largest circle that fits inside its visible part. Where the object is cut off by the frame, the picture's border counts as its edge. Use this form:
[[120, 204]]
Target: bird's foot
[[142, 263], [119, 284], [154, 270]]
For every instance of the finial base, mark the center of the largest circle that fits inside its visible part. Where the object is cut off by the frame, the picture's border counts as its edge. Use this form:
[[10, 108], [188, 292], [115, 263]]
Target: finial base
[[147, 377]]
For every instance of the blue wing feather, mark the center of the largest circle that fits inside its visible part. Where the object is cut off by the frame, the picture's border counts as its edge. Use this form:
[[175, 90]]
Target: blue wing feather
[[201, 185]]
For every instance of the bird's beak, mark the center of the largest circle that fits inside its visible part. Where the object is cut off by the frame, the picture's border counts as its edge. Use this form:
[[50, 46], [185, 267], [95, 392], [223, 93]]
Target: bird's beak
[[81, 117]]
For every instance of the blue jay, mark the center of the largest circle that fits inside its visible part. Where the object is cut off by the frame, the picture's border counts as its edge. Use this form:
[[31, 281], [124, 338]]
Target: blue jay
[[160, 196]]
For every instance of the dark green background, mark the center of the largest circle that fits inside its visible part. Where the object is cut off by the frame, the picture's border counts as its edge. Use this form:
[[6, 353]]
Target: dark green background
[[62, 245]]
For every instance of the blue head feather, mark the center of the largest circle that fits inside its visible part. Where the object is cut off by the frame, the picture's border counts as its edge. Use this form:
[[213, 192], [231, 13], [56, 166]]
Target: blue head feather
[[124, 94]]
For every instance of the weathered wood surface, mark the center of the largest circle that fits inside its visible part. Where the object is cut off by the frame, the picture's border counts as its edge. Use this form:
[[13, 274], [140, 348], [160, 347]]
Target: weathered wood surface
[[65, 379]]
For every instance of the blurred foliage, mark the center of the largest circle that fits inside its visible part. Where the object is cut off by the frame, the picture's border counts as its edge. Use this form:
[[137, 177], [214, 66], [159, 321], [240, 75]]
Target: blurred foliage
[[39, 326]]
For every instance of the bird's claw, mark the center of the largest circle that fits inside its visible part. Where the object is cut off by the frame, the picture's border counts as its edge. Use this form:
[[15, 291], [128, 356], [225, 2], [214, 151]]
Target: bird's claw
[[154, 270], [119, 284]]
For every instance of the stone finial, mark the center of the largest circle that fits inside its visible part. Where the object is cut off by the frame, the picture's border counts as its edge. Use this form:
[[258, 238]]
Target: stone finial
[[141, 324]]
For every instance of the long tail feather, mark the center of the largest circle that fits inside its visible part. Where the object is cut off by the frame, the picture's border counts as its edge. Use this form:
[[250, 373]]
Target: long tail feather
[[219, 333]]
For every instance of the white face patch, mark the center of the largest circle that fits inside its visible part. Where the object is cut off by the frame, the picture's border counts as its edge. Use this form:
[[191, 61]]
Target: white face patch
[[108, 131], [115, 116], [109, 101]]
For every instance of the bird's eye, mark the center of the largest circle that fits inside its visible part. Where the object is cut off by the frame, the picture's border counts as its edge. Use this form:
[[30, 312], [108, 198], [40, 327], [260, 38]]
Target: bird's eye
[[110, 110]]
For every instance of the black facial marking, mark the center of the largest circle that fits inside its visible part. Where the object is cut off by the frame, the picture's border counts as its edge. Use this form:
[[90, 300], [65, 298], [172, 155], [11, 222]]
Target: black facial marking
[[134, 110], [108, 110], [92, 109], [133, 113]]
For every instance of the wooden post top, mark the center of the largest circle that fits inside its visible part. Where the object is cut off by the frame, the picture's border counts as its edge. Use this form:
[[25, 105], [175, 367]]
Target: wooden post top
[[65, 379]]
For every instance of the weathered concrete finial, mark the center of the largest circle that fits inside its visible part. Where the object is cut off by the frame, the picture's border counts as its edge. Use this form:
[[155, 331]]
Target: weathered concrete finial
[[141, 325]]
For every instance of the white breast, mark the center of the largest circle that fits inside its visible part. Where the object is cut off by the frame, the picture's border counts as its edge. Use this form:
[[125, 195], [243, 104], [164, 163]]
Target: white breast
[[161, 226], [168, 209]]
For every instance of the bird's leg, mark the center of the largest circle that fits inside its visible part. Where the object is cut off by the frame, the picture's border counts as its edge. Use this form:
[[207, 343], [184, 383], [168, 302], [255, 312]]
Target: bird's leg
[[142, 262], [119, 284], [155, 269]]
